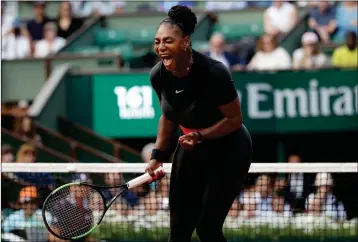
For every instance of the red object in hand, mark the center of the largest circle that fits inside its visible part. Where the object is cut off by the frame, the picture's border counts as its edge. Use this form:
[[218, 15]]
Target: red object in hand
[[158, 176]]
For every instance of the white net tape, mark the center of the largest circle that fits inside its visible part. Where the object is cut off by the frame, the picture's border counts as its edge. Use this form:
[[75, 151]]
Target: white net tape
[[140, 167], [277, 202]]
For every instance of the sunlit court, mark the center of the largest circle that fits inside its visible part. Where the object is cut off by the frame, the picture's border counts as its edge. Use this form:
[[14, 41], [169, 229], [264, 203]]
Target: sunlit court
[[179, 121]]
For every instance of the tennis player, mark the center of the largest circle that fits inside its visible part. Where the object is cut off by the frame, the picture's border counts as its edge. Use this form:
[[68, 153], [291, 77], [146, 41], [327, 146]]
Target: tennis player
[[214, 153]]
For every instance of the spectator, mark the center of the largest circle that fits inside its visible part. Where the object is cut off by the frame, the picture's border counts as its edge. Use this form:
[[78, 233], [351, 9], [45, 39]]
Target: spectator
[[9, 13], [151, 207], [166, 5], [264, 189], [249, 201], [347, 19], [280, 184], [51, 44], [97, 8], [322, 21], [346, 56], [269, 55], [77, 203], [15, 45], [280, 18], [323, 201], [276, 208], [231, 220], [256, 198], [299, 186], [110, 179], [27, 153], [28, 216], [7, 153], [147, 151], [116, 6], [315, 204], [217, 52], [219, 6], [66, 23], [259, 4], [309, 56], [35, 26], [312, 3], [163, 192], [25, 128]]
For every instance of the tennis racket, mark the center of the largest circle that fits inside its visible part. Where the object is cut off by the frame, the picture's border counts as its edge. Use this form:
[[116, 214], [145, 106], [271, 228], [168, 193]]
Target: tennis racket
[[74, 210]]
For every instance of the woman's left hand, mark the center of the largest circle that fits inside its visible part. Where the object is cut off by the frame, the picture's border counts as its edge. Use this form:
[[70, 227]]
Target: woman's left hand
[[188, 141]]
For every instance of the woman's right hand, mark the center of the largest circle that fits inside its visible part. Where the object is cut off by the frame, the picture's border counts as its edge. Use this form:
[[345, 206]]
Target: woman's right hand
[[152, 166]]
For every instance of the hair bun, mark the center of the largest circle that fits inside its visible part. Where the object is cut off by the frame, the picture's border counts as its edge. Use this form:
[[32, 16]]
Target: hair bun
[[184, 17]]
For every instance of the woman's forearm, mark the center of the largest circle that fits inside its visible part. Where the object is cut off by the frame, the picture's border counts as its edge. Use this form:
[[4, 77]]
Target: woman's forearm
[[166, 130], [222, 128]]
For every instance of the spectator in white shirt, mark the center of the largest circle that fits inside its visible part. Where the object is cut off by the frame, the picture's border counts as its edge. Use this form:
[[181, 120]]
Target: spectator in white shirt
[[9, 13], [88, 8], [309, 56], [323, 202], [215, 6], [15, 44], [270, 56], [280, 18], [51, 44]]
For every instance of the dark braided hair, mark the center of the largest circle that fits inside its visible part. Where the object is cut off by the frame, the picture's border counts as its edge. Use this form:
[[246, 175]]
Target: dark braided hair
[[182, 17]]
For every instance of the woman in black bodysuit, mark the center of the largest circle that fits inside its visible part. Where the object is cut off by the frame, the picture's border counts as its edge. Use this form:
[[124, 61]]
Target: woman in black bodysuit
[[214, 153]]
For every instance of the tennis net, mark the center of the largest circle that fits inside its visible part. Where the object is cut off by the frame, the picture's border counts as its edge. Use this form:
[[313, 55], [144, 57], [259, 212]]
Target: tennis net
[[281, 202]]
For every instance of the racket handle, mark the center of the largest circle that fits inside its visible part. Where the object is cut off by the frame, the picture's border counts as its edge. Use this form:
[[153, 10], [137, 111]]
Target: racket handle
[[142, 179]]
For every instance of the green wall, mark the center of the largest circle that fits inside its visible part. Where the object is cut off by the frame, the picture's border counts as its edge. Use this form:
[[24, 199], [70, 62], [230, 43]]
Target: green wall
[[124, 104]]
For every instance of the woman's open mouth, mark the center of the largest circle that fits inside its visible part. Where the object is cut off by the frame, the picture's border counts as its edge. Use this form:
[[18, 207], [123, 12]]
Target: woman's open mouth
[[167, 60]]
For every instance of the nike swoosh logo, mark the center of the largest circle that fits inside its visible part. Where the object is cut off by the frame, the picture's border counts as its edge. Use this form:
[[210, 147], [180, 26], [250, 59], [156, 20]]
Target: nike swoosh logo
[[176, 91]]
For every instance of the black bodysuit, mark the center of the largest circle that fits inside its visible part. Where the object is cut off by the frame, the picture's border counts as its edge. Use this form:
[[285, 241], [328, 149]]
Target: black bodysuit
[[204, 181]]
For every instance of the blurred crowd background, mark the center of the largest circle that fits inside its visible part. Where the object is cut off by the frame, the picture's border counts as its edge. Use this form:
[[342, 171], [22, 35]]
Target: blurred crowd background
[[329, 22], [246, 36]]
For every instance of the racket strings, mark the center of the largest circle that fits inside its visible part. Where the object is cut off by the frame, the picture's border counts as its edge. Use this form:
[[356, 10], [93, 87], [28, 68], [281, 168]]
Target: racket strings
[[74, 210]]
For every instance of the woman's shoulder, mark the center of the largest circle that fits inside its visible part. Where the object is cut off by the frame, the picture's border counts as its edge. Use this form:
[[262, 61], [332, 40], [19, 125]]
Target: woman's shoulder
[[155, 71]]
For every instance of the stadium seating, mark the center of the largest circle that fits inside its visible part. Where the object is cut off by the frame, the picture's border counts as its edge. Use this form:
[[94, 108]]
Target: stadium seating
[[43, 154], [125, 50], [111, 37], [88, 137], [142, 36], [238, 31]]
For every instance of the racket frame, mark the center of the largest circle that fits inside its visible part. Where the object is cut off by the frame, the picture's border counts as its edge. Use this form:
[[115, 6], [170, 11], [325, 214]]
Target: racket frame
[[99, 189], [129, 185]]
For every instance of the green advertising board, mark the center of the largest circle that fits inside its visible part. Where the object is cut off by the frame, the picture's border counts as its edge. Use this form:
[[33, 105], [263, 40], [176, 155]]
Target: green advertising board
[[125, 105]]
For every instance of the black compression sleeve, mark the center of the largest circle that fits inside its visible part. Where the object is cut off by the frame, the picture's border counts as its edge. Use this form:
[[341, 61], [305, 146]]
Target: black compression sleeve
[[221, 85], [154, 76]]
